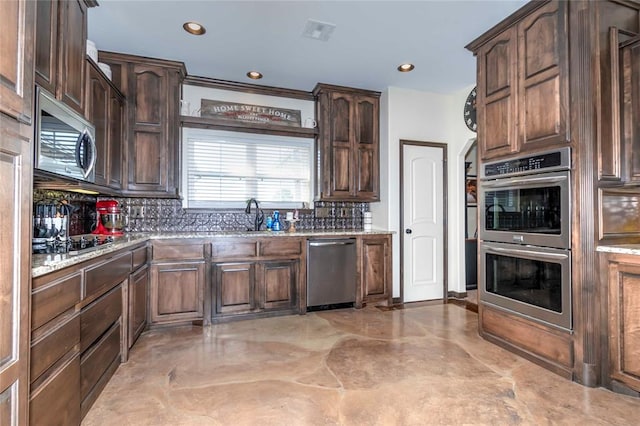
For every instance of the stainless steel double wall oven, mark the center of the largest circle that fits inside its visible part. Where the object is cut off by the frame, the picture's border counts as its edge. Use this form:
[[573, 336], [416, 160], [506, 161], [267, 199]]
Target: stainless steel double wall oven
[[525, 248]]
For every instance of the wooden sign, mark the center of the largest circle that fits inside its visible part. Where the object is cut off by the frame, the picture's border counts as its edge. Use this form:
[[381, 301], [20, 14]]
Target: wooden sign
[[248, 113]]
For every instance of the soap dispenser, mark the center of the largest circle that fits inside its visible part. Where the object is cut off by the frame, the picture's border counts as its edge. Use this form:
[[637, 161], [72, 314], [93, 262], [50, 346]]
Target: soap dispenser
[[276, 226]]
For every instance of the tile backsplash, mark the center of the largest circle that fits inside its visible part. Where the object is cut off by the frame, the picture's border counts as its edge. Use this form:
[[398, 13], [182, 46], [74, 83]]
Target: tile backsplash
[[160, 215], [167, 215]]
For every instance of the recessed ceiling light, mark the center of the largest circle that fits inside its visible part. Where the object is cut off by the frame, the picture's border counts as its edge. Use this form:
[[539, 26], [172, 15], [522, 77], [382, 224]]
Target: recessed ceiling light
[[254, 75], [194, 28], [405, 67]]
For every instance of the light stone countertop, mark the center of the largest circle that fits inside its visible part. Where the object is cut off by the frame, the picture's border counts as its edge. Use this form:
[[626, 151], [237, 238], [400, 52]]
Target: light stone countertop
[[42, 264], [620, 249]]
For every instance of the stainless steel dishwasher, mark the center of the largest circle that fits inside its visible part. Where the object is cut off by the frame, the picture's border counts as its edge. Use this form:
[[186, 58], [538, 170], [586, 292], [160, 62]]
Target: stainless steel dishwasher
[[331, 272]]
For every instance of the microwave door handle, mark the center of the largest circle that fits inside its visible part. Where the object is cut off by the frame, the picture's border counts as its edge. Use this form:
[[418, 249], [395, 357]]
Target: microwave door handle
[[85, 140], [536, 254], [94, 154], [526, 181]]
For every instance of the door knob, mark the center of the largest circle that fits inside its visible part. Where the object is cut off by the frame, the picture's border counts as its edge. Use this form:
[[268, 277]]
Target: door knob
[[408, 230]]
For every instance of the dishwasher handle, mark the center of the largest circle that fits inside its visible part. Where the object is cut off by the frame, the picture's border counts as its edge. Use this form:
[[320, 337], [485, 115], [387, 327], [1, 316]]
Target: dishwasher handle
[[332, 243]]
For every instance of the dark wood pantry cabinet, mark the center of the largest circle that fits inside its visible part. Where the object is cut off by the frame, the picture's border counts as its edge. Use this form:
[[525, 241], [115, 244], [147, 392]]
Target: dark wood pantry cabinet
[[348, 143], [61, 42], [152, 89], [17, 18]]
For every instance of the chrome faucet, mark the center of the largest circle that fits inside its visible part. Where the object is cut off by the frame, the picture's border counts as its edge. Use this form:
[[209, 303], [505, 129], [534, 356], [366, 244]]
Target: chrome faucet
[[259, 214]]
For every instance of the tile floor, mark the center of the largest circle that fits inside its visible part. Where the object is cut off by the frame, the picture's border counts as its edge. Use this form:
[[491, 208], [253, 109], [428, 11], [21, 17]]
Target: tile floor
[[414, 366]]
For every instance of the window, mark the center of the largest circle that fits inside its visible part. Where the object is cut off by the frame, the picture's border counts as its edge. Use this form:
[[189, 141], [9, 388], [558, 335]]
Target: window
[[225, 169]]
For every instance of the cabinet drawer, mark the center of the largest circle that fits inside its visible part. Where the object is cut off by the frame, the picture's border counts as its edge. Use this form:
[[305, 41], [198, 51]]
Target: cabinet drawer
[[277, 246], [96, 318], [106, 275], [51, 300], [234, 248], [46, 351], [178, 251], [139, 258], [57, 401], [96, 361]]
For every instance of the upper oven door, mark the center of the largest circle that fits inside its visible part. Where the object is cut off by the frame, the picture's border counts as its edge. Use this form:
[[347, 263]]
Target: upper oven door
[[531, 209]]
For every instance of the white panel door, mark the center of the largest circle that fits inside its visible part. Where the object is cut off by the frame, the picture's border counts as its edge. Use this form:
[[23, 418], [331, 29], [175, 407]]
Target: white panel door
[[423, 242]]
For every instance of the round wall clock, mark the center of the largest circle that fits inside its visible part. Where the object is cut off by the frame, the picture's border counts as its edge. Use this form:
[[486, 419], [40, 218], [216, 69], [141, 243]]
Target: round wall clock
[[470, 111]]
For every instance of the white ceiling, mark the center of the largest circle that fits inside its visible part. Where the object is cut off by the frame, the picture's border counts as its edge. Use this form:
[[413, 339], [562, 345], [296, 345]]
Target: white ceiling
[[371, 39]]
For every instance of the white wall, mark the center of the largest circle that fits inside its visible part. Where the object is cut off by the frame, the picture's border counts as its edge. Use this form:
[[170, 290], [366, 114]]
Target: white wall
[[428, 117]]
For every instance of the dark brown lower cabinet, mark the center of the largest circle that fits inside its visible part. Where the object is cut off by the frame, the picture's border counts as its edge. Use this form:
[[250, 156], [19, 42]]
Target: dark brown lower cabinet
[[100, 343], [277, 285], [254, 287], [177, 291], [234, 287], [375, 269], [56, 401], [623, 318], [137, 306]]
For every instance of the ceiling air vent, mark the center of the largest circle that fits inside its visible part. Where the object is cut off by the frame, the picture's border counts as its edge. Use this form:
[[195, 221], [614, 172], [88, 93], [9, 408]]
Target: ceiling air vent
[[318, 30]]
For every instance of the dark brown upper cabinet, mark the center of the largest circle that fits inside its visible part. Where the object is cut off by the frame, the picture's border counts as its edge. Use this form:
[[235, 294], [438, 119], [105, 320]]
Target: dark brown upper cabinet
[[105, 109], [348, 143], [630, 90], [61, 40], [523, 88], [152, 88]]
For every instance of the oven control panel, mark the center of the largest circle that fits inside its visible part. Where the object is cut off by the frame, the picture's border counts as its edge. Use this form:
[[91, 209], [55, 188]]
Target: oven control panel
[[542, 162]]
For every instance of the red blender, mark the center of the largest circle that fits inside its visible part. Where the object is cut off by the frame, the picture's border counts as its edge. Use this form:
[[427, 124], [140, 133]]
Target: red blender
[[109, 218]]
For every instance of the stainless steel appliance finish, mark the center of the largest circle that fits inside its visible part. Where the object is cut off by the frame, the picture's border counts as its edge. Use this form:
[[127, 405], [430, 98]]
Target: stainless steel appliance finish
[[524, 236], [531, 281], [331, 271], [527, 209], [65, 140]]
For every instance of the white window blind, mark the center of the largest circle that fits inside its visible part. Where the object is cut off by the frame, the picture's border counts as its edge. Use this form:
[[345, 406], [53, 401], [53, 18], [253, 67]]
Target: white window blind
[[225, 169]]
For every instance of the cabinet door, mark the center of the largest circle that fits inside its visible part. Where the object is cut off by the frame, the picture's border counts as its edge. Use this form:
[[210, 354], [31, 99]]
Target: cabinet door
[[630, 63], [116, 139], [234, 286], [177, 291], [16, 66], [15, 264], [277, 285], [340, 164], [497, 90], [148, 146], [375, 263], [138, 290], [366, 145], [543, 91], [46, 58], [624, 324], [72, 39], [98, 94]]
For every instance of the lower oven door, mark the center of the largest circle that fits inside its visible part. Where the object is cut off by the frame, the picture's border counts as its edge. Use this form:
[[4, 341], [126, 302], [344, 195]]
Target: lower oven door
[[534, 282]]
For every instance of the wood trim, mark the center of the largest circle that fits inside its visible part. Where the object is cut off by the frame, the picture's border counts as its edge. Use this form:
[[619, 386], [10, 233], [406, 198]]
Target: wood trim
[[507, 22], [445, 201], [120, 58], [269, 129], [585, 288], [257, 89], [342, 89]]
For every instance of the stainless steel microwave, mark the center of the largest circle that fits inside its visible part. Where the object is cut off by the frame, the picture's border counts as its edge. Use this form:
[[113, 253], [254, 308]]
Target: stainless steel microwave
[[65, 141]]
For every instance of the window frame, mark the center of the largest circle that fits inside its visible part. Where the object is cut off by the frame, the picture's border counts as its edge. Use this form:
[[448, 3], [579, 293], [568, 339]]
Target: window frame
[[231, 205]]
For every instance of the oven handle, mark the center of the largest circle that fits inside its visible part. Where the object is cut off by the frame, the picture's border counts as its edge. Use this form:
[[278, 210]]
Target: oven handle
[[524, 181], [537, 254]]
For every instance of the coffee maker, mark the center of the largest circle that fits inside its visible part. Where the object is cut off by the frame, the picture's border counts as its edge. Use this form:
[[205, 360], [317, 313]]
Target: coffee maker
[[109, 220]]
